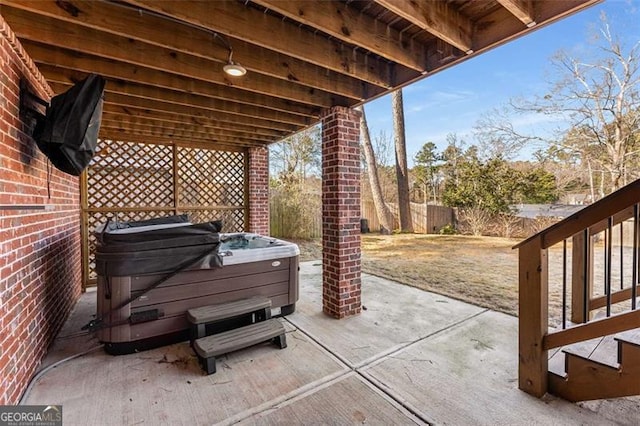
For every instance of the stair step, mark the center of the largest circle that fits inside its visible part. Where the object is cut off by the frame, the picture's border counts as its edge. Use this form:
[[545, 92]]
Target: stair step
[[610, 369], [606, 352], [557, 357], [556, 361], [631, 337], [212, 313], [207, 348], [227, 315]]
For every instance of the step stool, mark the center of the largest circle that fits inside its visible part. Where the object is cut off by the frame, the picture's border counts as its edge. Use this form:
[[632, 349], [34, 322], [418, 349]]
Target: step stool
[[207, 348], [200, 317]]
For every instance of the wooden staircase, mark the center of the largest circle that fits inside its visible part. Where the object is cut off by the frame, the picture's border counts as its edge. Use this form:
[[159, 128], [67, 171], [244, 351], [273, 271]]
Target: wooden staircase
[[607, 367], [587, 357]]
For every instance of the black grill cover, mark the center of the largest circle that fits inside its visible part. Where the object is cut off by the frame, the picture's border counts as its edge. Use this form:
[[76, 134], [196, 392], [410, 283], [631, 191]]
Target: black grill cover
[[68, 135], [159, 250]]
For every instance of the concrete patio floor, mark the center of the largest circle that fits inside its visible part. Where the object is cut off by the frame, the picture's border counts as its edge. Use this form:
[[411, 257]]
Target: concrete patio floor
[[411, 357]]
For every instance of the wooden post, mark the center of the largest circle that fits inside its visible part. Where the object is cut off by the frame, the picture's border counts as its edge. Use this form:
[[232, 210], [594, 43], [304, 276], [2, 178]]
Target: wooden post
[[247, 189], [578, 290], [533, 317], [176, 181]]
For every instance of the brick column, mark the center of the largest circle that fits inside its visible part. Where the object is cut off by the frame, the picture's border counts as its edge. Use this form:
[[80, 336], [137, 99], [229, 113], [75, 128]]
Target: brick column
[[341, 212], [258, 190]]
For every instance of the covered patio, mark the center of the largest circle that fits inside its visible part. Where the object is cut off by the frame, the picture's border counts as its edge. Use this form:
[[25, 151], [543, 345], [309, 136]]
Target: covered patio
[[411, 357], [169, 69]]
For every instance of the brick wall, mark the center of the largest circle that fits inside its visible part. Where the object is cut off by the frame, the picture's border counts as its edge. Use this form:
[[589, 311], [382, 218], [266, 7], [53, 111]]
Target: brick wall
[[40, 275], [258, 169], [341, 212]]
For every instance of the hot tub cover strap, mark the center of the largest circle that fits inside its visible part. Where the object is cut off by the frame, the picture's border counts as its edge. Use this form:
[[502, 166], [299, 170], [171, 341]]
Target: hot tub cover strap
[[100, 321]]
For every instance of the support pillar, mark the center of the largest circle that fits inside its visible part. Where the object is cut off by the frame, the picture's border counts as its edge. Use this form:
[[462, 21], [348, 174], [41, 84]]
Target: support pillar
[[257, 169], [341, 264]]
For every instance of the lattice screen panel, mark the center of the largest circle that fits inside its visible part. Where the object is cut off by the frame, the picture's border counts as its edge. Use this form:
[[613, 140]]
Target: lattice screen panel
[[232, 220], [134, 181], [210, 177], [124, 174]]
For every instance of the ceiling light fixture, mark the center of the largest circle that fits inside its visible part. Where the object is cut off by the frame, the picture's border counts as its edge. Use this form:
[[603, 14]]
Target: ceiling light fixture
[[232, 68]]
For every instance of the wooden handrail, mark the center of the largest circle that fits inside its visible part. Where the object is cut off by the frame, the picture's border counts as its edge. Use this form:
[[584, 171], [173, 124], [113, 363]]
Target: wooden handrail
[[612, 204], [534, 339], [617, 219], [591, 330], [616, 297]]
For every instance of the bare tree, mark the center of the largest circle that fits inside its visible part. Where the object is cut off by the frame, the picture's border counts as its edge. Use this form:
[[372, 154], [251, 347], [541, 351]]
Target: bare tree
[[402, 170], [603, 101], [383, 148], [599, 97], [293, 161], [384, 152], [497, 137], [297, 156], [384, 215]]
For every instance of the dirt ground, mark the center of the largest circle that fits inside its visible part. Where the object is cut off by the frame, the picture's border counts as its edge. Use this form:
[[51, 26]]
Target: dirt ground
[[479, 270]]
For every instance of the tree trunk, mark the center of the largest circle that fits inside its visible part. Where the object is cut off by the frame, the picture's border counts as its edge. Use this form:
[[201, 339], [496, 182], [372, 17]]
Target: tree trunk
[[435, 192], [402, 171], [384, 215], [426, 191], [591, 185]]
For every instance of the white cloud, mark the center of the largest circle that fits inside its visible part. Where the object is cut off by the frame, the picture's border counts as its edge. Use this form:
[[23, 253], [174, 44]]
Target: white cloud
[[440, 98]]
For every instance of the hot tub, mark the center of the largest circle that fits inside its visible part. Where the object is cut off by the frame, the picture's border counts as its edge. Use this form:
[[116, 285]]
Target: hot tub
[[133, 257]]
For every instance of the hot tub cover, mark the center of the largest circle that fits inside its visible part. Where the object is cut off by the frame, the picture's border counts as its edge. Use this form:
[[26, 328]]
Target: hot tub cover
[[156, 246]]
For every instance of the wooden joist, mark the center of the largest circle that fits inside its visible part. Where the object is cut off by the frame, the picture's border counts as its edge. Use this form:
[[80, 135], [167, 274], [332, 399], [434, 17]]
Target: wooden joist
[[301, 57], [238, 20]]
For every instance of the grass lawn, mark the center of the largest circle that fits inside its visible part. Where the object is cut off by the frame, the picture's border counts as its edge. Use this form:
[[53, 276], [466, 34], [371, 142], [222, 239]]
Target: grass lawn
[[479, 270]]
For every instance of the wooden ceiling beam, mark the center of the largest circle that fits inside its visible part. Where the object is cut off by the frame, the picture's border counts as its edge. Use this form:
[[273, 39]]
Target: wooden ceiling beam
[[122, 131], [149, 105], [244, 22], [136, 111], [60, 34], [127, 103], [115, 113], [115, 20], [502, 26], [521, 9], [352, 26], [108, 134], [228, 110], [166, 127], [436, 17], [71, 70]]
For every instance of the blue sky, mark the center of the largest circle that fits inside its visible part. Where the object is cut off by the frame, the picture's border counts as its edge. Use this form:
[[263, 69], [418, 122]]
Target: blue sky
[[453, 100]]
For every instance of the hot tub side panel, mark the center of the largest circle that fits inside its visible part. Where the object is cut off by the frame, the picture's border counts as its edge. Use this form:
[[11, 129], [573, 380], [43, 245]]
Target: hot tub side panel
[[294, 274], [276, 279]]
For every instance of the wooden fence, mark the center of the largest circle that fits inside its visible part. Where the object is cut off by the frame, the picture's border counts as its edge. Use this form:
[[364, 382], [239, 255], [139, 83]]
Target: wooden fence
[[427, 219]]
